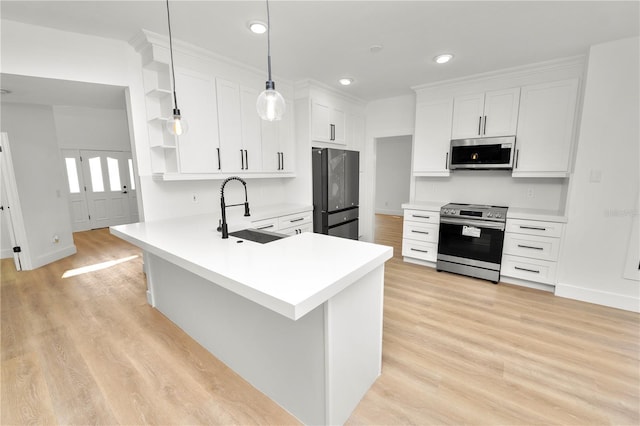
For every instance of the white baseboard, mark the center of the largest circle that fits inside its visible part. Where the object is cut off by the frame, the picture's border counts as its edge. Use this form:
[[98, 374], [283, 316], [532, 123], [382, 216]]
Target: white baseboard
[[525, 283], [6, 253], [627, 303], [390, 212], [54, 255]]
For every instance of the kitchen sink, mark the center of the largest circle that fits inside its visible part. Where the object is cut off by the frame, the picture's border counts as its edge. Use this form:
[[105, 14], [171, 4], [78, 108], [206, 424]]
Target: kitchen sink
[[257, 236]]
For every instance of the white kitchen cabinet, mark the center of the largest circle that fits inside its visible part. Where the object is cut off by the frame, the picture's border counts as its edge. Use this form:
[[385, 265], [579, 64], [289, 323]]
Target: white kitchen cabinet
[[278, 148], [489, 114], [289, 224], [531, 250], [545, 129], [432, 138], [328, 123], [420, 235], [240, 140]]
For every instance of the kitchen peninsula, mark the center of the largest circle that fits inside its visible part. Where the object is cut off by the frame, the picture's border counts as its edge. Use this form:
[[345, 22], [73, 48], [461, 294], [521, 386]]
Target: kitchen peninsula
[[300, 318]]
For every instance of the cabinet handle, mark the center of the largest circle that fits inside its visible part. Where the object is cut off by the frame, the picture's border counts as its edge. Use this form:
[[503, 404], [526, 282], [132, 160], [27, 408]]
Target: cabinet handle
[[446, 162], [535, 228], [219, 166], [333, 132], [517, 157], [265, 227], [421, 251], [420, 232], [484, 128], [530, 247], [422, 217], [246, 159], [526, 270], [479, 125], [297, 220], [242, 159]]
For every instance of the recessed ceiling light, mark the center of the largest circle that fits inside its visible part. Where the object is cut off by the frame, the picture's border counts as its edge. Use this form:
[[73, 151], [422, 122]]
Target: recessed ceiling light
[[443, 59], [375, 48], [345, 81], [257, 27]]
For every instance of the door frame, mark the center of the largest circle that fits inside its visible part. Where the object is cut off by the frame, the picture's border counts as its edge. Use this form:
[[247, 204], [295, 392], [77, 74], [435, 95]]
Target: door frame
[[22, 259]]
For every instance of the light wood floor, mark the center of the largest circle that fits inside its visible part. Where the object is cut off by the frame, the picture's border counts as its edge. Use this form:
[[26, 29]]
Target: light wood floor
[[88, 349]]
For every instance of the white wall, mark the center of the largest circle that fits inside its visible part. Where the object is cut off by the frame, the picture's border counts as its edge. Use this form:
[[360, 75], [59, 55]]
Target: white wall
[[600, 210], [384, 118], [393, 173], [92, 128], [40, 180]]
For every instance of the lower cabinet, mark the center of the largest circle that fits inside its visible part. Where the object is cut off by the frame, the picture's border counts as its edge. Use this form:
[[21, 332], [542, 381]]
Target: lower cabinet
[[531, 250], [290, 224], [420, 234]]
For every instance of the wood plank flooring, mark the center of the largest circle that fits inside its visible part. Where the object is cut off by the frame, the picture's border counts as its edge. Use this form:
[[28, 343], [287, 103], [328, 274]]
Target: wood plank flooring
[[456, 350]]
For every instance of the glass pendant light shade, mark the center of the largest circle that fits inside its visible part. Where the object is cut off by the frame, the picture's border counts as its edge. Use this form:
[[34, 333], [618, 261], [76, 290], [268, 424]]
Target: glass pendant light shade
[[177, 125], [270, 104]]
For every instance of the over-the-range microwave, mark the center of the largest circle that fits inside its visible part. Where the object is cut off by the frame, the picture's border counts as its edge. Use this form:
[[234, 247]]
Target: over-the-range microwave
[[482, 153]]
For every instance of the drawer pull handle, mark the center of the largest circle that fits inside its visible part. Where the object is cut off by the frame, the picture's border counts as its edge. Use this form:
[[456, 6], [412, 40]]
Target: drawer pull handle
[[421, 251], [420, 232], [526, 270], [530, 247], [296, 220], [535, 228], [266, 227], [421, 217]]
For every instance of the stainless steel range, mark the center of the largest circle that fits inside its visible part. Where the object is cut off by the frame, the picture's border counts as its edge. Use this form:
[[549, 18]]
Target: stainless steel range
[[470, 240]]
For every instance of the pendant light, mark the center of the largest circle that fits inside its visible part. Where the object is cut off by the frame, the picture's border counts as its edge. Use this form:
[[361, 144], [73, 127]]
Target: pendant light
[[270, 104], [177, 125]]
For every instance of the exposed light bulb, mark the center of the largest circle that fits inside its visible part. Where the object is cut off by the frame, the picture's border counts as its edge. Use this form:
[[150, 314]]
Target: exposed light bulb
[[270, 104], [177, 125]]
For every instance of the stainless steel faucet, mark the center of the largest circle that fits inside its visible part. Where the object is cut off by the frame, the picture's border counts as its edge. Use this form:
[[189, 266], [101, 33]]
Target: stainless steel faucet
[[223, 225]]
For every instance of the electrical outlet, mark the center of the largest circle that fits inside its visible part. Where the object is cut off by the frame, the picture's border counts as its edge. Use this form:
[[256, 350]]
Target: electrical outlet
[[194, 197], [530, 193]]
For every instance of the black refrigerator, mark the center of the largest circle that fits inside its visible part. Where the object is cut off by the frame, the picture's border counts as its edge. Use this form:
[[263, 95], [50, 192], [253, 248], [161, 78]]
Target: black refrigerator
[[336, 174]]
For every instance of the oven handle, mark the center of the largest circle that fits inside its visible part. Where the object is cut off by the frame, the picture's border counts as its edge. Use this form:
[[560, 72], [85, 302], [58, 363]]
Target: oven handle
[[477, 224]]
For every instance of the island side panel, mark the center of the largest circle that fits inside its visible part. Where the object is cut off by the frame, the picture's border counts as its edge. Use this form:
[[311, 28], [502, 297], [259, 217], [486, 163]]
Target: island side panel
[[353, 321], [282, 358]]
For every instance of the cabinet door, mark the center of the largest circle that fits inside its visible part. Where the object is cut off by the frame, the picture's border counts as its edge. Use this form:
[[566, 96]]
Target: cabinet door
[[545, 129], [251, 130], [198, 148], [230, 124], [320, 129], [337, 125], [501, 112], [432, 138], [467, 116], [355, 136], [286, 142], [278, 148]]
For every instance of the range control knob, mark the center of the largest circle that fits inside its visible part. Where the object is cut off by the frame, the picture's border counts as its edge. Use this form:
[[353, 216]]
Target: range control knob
[[489, 214], [498, 215]]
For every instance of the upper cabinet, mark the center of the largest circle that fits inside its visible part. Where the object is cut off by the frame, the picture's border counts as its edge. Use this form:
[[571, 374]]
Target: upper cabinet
[[328, 123], [545, 129], [218, 99], [493, 113], [432, 138]]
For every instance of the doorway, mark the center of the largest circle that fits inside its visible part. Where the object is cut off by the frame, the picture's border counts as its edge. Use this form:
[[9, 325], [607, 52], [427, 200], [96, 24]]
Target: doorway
[[102, 189]]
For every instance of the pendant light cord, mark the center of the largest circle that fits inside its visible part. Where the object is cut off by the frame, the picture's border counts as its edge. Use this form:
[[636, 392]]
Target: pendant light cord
[[173, 73], [268, 41]]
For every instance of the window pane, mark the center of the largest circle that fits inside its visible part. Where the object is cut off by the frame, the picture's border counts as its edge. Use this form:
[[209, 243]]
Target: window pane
[[95, 168], [114, 174], [131, 179], [72, 175]]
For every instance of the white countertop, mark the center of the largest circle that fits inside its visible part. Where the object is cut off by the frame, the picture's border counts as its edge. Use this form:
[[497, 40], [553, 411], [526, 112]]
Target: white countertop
[[432, 206], [536, 214], [291, 276]]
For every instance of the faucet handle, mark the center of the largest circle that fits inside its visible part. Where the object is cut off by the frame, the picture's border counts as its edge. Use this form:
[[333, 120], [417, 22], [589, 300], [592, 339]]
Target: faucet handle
[[219, 228]]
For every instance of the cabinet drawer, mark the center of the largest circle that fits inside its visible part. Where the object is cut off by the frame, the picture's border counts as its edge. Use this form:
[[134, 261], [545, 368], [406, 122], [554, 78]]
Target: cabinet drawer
[[419, 250], [297, 220], [422, 216], [541, 271], [427, 232], [531, 246], [270, 224], [534, 227], [299, 229]]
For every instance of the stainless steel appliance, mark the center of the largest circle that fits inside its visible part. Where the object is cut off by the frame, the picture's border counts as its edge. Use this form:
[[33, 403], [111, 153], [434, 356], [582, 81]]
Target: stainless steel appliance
[[335, 192], [470, 240], [482, 153]]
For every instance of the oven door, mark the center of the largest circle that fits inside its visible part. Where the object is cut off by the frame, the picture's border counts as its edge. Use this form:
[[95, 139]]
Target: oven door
[[471, 242]]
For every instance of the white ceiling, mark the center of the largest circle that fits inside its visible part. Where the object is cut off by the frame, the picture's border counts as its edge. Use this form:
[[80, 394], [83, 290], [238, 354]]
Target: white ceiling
[[325, 40]]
